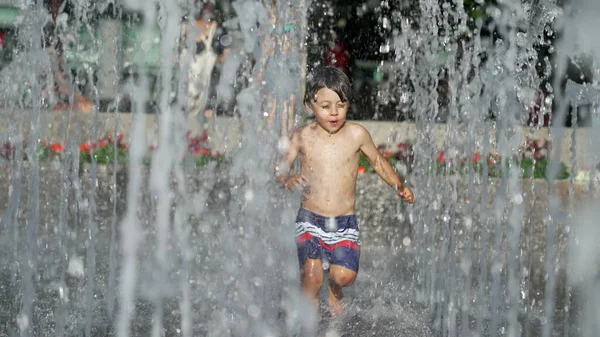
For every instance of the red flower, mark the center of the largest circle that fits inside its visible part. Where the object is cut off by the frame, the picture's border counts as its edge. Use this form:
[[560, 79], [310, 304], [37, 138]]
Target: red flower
[[493, 159], [387, 154], [476, 157], [57, 147], [200, 151], [85, 147], [361, 169], [441, 157], [102, 143]]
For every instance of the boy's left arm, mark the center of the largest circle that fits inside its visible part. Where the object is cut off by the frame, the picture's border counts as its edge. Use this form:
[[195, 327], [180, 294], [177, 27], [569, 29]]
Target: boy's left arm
[[383, 167]]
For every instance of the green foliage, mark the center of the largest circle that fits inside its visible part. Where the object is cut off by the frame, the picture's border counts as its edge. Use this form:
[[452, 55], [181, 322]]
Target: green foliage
[[105, 155], [364, 162], [477, 8], [538, 169]]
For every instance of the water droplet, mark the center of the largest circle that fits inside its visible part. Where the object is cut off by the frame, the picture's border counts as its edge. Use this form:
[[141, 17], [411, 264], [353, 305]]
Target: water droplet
[[62, 294], [518, 198], [249, 195], [75, 267], [468, 222], [384, 48], [406, 241], [386, 23], [253, 311]]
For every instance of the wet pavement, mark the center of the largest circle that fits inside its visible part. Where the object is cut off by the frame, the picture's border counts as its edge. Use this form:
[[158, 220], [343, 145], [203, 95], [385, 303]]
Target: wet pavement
[[241, 267]]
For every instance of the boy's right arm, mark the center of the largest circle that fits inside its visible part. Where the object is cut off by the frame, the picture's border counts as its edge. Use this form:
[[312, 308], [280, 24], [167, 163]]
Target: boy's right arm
[[290, 149]]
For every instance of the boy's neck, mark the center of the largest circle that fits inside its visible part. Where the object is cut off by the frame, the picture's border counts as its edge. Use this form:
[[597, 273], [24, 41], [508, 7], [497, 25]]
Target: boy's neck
[[329, 134]]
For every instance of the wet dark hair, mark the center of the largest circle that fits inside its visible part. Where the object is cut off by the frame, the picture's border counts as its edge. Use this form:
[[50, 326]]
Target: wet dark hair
[[326, 77]]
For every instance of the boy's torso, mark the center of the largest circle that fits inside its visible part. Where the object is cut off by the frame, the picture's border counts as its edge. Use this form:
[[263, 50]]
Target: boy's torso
[[330, 163]]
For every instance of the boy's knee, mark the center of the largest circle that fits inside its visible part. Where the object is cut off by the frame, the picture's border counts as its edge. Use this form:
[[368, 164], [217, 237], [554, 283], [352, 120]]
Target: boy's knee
[[343, 278], [312, 277]]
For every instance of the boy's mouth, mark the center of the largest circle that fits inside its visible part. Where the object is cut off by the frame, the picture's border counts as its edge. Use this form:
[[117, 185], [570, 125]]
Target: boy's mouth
[[334, 123]]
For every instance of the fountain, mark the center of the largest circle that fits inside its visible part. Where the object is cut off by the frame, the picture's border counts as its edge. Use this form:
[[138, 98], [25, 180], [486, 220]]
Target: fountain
[[157, 246]]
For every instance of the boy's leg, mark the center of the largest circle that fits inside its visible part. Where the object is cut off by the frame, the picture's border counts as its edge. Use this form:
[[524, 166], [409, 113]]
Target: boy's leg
[[312, 279], [339, 277]]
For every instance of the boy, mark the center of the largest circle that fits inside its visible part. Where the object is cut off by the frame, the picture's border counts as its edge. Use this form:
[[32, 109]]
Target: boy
[[327, 233]]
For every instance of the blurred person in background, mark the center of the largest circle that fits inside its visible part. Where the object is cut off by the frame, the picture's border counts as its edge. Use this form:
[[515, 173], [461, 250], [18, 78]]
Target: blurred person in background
[[210, 50]]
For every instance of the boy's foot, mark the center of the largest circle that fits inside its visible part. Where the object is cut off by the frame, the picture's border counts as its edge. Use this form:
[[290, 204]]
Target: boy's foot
[[336, 309]]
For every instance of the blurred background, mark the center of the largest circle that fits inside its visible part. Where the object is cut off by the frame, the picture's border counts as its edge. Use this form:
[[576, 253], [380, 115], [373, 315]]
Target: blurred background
[[354, 35]]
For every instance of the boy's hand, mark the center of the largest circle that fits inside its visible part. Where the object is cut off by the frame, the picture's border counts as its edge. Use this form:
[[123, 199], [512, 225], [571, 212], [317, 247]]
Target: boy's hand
[[407, 194], [296, 181]]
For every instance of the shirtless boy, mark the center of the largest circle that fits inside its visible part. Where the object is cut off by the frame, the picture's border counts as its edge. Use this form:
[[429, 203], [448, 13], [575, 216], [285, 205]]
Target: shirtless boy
[[327, 233]]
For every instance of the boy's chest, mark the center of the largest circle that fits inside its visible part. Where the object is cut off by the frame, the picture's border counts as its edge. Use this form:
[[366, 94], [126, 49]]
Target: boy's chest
[[329, 152]]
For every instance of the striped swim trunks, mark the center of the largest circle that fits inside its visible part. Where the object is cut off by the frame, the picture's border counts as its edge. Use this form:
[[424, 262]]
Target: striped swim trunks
[[334, 240]]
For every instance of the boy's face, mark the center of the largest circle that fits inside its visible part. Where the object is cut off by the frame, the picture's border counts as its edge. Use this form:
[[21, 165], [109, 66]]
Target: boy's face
[[330, 111]]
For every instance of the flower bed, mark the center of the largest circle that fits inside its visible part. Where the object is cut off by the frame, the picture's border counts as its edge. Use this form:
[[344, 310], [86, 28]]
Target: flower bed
[[532, 159], [108, 150]]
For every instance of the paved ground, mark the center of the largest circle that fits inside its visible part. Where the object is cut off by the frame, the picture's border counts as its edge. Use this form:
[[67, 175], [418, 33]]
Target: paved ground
[[240, 268]]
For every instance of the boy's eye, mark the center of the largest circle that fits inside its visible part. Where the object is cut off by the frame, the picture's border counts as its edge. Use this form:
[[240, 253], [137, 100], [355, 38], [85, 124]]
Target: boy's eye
[[325, 106]]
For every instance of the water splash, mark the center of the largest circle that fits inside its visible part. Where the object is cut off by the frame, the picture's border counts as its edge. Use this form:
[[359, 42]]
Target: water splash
[[193, 256]]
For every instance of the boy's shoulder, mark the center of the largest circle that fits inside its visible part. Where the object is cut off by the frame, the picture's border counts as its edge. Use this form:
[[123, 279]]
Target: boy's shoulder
[[355, 126], [306, 129], [356, 129], [301, 130]]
